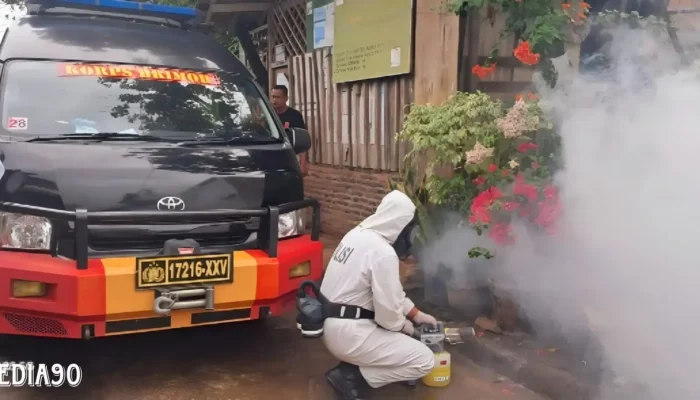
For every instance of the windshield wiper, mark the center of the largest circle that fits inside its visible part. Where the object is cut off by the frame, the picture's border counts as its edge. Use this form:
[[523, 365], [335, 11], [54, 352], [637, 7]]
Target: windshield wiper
[[102, 136], [228, 141]]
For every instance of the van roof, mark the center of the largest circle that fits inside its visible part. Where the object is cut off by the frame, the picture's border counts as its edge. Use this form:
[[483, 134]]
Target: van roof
[[99, 39]]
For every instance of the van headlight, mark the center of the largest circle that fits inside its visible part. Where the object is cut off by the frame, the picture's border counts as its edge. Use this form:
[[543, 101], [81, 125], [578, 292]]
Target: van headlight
[[291, 224], [24, 232]]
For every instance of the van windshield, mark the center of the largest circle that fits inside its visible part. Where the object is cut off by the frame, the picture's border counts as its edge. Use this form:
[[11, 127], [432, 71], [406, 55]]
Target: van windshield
[[56, 98]]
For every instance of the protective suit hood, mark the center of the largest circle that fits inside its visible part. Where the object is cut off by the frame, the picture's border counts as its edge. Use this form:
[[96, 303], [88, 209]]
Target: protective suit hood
[[393, 214]]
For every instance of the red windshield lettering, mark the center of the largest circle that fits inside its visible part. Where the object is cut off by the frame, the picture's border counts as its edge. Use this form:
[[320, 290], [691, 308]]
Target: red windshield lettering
[[139, 72], [144, 73], [71, 70], [192, 77], [178, 76], [87, 70]]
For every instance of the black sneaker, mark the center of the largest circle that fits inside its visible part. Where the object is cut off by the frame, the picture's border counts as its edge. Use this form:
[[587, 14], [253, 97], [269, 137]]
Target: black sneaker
[[347, 382]]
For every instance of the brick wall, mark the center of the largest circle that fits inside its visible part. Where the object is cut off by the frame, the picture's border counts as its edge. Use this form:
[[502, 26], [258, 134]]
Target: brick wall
[[347, 196]]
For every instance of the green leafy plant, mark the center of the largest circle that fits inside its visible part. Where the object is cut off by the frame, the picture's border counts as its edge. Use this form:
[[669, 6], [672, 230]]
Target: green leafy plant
[[442, 135]]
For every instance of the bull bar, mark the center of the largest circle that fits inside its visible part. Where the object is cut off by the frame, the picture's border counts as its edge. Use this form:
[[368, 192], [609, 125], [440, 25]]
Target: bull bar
[[267, 229]]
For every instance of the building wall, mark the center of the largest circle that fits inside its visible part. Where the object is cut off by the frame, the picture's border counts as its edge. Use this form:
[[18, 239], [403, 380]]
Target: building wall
[[347, 196], [354, 124]]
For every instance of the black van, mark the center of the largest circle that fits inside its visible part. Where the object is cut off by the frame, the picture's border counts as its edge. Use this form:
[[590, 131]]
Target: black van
[[146, 182]]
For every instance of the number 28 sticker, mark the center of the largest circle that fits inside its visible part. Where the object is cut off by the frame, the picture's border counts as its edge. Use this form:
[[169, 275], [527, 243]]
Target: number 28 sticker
[[17, 123]]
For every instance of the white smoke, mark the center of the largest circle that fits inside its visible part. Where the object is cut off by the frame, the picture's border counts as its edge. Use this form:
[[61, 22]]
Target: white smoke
[[628, 251], [627, 261]]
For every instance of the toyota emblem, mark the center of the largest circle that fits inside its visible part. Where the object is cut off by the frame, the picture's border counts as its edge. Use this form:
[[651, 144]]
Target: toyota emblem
[[171, 203]]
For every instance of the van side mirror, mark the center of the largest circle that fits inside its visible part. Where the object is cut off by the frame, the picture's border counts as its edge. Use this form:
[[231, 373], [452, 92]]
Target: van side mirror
[[300, 139]]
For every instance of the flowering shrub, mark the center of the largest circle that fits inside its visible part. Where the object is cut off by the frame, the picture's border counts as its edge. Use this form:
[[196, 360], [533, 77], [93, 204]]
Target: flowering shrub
[[520, 188], [500, 161], [540, 26]]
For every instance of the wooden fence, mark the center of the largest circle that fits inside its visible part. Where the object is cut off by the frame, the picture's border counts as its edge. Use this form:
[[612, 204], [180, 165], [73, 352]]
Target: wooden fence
[[353, 124], [288, 18]]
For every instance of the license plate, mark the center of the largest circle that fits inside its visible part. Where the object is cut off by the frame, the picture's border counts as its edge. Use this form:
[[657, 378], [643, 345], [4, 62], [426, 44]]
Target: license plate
[[183, 270]]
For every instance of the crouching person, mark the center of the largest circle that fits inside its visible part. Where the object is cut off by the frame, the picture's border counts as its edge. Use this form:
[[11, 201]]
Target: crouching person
[[371, 331]]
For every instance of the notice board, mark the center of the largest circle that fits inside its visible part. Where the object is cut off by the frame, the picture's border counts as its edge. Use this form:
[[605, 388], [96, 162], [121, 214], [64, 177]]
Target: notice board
[[372, 39], [319, 24]]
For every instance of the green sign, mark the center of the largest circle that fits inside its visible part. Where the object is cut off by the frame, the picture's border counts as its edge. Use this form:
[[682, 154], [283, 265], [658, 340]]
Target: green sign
[[372, 39]]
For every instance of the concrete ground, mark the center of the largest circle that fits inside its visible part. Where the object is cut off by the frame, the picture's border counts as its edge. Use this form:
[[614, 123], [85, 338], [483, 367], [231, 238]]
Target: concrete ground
[[240, 361]]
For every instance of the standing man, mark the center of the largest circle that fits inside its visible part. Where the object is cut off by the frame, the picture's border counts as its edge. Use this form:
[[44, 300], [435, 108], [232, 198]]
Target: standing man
[[290, 118]]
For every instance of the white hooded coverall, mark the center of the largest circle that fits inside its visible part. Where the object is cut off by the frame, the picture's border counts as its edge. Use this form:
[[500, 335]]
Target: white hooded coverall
[[364, 271]]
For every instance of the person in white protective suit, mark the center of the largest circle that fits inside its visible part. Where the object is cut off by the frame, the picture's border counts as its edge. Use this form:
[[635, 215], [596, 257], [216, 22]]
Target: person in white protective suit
[[364, 272]]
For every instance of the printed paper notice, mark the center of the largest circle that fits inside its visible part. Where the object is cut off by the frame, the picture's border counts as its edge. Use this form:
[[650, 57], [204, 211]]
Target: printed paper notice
[[339, 2], [395, 57]]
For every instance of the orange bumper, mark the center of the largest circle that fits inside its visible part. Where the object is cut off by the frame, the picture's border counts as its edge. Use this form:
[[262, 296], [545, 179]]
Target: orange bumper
[[103, 301]]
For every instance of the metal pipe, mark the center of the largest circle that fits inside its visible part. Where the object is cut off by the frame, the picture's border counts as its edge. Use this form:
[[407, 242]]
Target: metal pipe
[[182, 305], [188, 292], [209, 298]]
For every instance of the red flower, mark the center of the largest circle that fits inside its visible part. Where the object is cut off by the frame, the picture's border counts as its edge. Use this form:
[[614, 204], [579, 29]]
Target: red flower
[[502, 233], [535, 165], [550, 193], [493, 168], [506, 172], [482, 72], [511, 205], [530, 97], [480, 216], [480, 212], [525, 54], [488, 196], [550, 210], [524, 147], [479, 181], [525, 189]]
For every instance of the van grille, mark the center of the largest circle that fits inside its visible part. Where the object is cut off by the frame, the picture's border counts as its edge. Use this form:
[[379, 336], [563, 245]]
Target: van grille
[[155, 242], [38, 325], [107, 237]]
